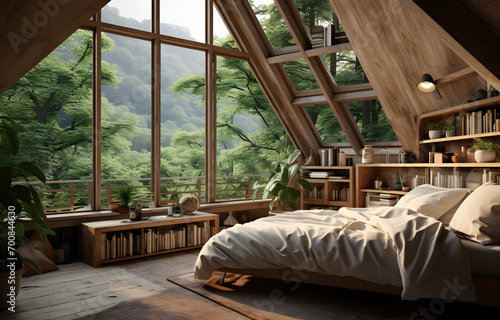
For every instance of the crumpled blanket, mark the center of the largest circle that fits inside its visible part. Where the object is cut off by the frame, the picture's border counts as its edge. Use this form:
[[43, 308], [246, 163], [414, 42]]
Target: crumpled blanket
[[386, 245]]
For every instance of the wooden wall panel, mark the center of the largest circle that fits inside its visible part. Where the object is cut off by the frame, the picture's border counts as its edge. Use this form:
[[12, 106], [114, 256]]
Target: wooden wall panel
[[395, 49], [32, 29]]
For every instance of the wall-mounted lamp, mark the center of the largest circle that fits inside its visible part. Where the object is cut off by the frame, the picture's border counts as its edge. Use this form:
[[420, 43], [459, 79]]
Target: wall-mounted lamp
[[427, 85]]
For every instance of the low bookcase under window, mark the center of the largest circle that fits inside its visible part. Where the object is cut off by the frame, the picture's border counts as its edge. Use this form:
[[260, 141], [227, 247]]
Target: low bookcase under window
[[110, 241]]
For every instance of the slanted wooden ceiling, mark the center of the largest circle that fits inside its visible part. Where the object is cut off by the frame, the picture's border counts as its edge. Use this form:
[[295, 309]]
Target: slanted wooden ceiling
[[396, 41]]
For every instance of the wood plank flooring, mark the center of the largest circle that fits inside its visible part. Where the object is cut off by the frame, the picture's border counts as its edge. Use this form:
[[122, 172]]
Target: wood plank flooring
[[78, 291]]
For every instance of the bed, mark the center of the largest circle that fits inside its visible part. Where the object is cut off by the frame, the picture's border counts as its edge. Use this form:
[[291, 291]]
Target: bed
[[435, 243]]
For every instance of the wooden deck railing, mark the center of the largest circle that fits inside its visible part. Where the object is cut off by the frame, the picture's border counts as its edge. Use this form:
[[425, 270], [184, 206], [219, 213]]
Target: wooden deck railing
[[75, 195]]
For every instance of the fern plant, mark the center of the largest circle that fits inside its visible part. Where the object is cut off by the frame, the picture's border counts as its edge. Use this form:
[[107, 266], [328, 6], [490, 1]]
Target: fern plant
[[482, 145]]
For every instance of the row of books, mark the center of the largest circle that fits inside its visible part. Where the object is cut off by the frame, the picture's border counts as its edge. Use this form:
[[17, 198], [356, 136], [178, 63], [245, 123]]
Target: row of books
[[458, 178], [341, 194], [122, 244], [475, 122], [381, 200], [337, 194]]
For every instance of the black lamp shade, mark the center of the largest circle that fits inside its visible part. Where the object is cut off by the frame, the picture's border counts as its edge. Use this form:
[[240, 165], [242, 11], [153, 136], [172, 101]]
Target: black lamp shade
[[426, 84]]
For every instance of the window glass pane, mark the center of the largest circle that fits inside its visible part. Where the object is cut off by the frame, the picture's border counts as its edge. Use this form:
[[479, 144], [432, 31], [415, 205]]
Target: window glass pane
[[326, 123], [53, 102], [249, 135], [126, 116], [183, 19], [222, 37], [182, 123], [300, 74], [134, 14], [347, 69], [273, 23], [372, 121], [316, 12]]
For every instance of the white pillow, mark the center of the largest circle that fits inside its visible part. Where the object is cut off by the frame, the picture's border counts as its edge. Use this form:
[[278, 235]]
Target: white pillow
[[432, 201], [478, 218]]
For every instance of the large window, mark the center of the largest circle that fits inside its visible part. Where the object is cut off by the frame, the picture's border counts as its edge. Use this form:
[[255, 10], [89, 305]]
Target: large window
[[249, 135], [54, 103], [183, 116], [125, 115]]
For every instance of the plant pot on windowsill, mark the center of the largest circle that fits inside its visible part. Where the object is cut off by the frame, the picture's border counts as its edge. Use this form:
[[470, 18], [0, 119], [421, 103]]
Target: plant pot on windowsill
[[114, 205], [124, 210]]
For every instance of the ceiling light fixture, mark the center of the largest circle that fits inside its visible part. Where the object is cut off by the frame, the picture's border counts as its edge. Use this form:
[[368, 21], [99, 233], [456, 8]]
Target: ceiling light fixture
[[427, 85]]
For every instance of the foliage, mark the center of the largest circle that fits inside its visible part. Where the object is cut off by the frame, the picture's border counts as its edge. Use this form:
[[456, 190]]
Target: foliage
[[433, 126], [19, 203], [125, 196], [482, 145], [448, 125], [278, 186]]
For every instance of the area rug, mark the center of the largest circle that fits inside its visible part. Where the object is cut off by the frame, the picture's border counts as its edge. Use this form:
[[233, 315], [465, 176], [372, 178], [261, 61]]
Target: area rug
[[259, 298]]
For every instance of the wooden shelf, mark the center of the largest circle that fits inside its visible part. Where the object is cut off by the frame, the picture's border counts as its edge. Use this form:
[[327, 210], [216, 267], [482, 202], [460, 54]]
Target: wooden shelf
[[484, 103], [384, 191], [328, 187], [94, 235], [459, 138]]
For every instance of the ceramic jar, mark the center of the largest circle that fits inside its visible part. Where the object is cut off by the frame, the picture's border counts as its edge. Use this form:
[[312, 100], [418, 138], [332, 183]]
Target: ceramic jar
[[368, 154]]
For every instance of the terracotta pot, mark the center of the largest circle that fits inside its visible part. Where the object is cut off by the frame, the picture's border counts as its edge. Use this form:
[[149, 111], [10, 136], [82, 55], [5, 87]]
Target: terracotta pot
[[485, 155], [5, 287], [114, 205], [124, 210]]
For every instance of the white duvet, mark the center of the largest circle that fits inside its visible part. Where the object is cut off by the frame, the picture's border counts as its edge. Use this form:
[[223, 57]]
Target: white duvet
[[386, 245]]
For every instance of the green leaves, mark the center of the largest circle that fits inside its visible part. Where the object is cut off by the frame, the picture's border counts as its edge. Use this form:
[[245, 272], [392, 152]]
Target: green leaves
[[10, 140], [33, 169]]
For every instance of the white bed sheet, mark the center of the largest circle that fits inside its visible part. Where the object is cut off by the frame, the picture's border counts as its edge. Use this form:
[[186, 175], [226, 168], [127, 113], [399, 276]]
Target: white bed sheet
[[388, 245]]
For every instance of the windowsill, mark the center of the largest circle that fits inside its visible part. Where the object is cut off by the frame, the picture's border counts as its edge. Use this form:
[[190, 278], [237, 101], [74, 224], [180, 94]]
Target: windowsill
[[75, 218]]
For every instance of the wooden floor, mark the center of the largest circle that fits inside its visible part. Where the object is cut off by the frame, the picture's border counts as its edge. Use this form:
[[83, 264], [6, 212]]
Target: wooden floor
[[78, 291]]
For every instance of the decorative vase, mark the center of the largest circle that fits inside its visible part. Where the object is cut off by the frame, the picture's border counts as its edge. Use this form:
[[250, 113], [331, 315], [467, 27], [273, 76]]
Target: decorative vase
[[448, 134], [485, 155], [435, 134]]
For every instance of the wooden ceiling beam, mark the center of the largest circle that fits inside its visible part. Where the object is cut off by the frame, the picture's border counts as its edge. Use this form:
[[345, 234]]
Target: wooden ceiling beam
[[302, 38], [296, 55], [337, 97], [35, 28], [272, 78], [455, 76]]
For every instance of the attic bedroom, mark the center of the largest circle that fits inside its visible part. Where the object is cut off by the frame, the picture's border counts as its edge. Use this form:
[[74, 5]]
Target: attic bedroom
[[249, 159]]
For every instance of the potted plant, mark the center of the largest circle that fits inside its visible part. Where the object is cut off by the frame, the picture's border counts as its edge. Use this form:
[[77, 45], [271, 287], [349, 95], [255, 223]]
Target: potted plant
[[278, 187], [434, 129], [19, 206], [448, 126], [398, 185], [125, 196], [483, 151]]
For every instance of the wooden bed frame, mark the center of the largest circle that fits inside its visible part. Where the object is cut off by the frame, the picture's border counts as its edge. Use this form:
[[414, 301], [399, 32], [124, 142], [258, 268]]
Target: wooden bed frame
[[487, 288]]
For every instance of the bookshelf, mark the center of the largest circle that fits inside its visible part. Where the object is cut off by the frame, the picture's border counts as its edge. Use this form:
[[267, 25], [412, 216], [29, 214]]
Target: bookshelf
[[488, 129], [449, 175], [103, 242], [334, 190]]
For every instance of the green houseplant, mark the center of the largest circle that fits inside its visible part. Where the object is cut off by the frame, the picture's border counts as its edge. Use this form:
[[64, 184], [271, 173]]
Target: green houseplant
[[434, 129], [125, 196], [19, 203], [483, 151], [448, 126], [278, 188]]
